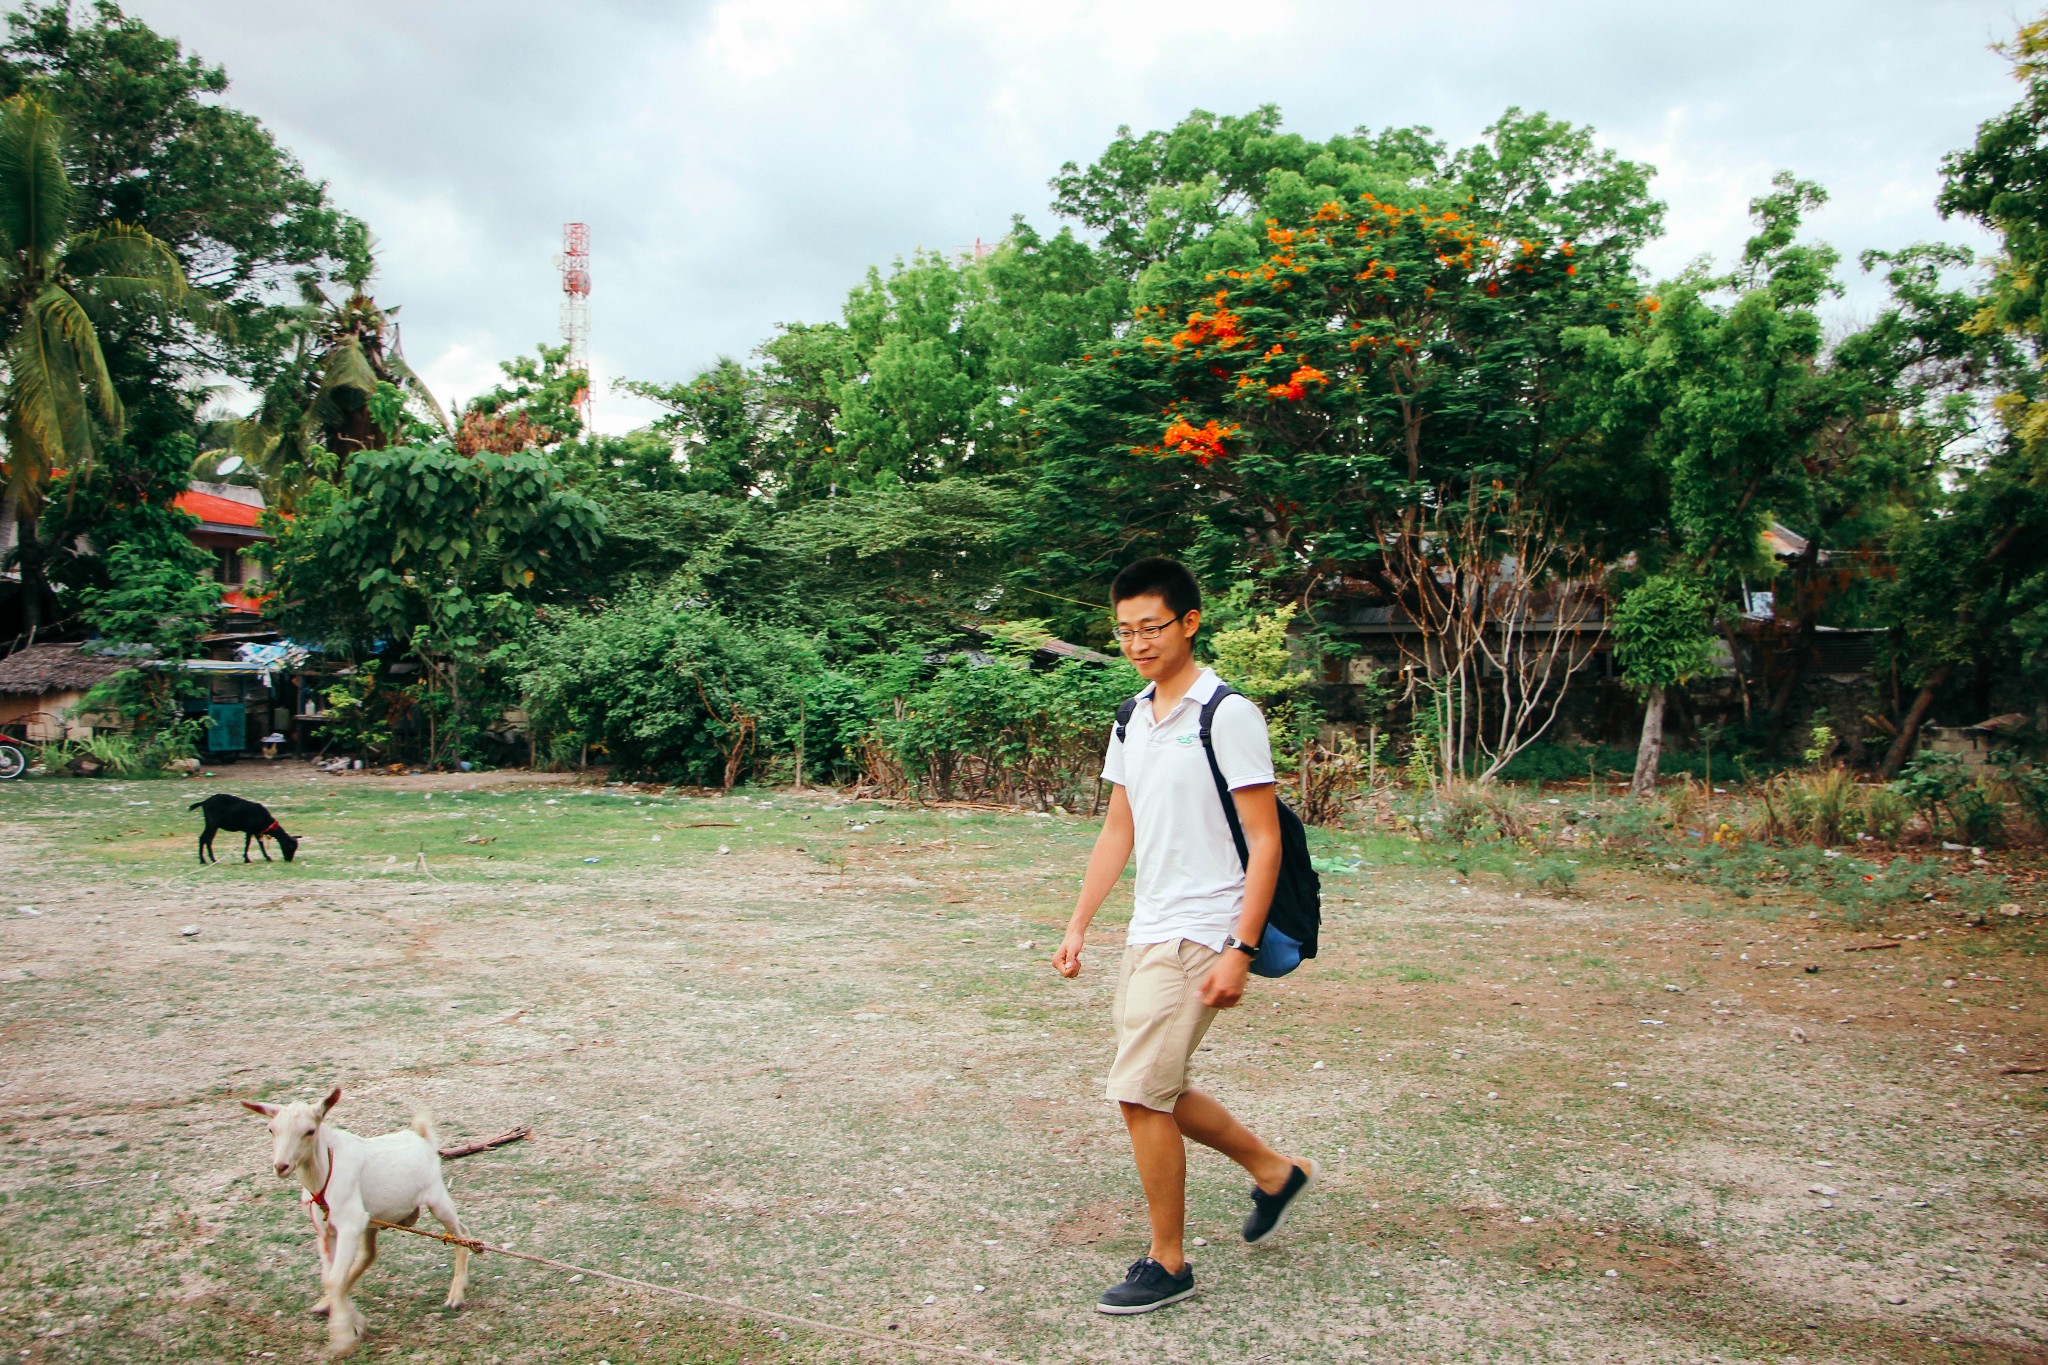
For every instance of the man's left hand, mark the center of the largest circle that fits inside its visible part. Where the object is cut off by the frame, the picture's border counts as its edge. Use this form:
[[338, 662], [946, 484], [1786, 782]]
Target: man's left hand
[[1223, 987]]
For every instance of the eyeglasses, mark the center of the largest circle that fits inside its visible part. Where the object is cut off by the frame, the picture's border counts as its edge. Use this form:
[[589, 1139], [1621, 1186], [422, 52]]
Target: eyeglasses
[[1125, 634]]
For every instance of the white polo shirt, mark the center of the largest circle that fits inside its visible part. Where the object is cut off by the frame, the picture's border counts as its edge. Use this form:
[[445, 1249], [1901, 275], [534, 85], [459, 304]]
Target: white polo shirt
[[1190, 879]]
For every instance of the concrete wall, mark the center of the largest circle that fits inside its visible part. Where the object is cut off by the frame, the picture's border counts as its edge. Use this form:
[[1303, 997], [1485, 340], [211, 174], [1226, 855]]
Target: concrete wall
[[52, 716]]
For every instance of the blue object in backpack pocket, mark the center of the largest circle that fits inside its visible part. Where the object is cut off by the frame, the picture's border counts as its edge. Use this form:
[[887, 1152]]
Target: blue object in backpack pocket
[[1278, 954]]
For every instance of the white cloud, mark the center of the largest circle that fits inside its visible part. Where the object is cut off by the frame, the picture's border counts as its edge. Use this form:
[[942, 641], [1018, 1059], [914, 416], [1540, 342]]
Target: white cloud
[[743, 164]]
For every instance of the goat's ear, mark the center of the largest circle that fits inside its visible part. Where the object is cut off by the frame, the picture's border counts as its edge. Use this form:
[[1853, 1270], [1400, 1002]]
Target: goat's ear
[[333, 1098], [267, 1110]]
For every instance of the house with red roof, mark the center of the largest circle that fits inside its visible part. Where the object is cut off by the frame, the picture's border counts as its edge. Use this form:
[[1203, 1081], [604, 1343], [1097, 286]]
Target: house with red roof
[[230, 518]]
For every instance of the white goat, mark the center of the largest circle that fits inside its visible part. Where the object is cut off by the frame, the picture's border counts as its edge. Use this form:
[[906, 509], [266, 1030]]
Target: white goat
[[351, 1180]]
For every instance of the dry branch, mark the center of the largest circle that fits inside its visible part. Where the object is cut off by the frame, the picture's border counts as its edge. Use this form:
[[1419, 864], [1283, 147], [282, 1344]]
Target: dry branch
[[510, 1135]]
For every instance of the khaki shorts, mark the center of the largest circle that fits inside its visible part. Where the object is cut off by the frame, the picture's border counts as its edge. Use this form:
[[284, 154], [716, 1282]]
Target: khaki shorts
[[1160, 1020]]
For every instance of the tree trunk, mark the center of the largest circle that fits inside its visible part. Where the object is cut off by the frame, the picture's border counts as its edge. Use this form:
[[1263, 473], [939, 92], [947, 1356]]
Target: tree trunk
[[455, 713], [1650, 748], [1909, 731], [29, 568]]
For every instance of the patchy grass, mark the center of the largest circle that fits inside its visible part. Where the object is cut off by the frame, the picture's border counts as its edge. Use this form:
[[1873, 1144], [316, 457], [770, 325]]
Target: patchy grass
[[820, 1071]]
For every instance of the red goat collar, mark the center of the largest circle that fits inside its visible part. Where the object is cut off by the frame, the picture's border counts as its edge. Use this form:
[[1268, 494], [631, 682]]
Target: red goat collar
[[320, 1195]]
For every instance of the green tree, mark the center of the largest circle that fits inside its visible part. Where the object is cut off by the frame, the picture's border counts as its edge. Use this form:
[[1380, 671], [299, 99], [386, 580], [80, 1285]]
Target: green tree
[[953, 355], [440, 553], [344, 389], [1663, 635], [57, 286], [153, 145], [1294, 391], [1972, 589], [803, 367], [715, 430], [538, 407], [158, 601], [932, 373], [1200, 190], [1725, 395], [915, 557]]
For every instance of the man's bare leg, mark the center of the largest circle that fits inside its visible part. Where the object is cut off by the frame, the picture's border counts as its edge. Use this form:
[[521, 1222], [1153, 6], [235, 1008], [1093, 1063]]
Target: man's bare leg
[[1197, 1116], [1163, 1171]]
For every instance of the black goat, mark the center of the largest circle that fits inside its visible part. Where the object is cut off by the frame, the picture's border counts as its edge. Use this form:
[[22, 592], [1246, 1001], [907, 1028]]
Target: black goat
[[245, 818]]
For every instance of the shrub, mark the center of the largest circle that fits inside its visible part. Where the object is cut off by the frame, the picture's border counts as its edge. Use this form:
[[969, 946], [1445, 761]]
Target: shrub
[[1819, 807], [358, 716], [1979, 812], [1330, 776], [53, 755], [1885, 814], [1504, 809], [995, 731], [1546, 762], [1938, 784], [122, 754], [1556, 875], [666, 689], [1628, 827], [1686, 799], [2026, 781], [1453, 816]]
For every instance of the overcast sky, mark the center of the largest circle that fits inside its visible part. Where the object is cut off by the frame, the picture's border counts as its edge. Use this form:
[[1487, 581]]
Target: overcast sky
[[743, 164]]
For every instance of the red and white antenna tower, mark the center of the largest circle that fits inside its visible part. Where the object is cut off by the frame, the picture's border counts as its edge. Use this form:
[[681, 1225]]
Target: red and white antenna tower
[[575, 263]]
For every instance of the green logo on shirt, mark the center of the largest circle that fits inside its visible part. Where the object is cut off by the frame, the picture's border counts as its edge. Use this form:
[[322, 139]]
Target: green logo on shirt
[[1185, 740]]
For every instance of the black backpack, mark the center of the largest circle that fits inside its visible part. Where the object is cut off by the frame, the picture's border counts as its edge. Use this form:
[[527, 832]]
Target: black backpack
[[1297, 911]]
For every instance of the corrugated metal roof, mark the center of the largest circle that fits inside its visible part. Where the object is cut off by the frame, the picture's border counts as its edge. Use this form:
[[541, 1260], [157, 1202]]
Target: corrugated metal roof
[[216, 511]]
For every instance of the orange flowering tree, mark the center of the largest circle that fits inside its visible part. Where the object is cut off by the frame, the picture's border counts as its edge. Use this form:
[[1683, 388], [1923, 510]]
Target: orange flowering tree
[[1385, 388], [1293, 412]]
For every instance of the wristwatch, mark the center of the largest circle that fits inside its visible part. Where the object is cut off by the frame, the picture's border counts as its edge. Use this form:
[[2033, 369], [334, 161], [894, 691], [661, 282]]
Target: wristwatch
[[1248, 949]]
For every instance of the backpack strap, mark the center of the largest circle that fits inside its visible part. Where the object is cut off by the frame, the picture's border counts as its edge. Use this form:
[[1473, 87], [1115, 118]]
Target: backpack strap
[[1124, 712], [1216, 771]]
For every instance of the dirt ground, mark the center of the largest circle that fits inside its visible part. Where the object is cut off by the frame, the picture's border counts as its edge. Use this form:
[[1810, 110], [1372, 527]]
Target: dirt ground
[[810, 1054]]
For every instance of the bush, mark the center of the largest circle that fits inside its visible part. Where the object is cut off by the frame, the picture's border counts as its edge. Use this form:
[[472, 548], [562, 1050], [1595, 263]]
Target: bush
[[1885, 814], [1825, 807], [1555, 875], [667, 690], [1628, 827], [1820, 807], [1465, 812], [358, 717], [1938, 784], [2027, 782], [997, 731], [1330, 776], [121, 754], [1979, 812], [53, 755], [1545, 762]]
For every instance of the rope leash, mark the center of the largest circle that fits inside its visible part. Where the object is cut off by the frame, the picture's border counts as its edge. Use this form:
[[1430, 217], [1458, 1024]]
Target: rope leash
[[729, 1305]]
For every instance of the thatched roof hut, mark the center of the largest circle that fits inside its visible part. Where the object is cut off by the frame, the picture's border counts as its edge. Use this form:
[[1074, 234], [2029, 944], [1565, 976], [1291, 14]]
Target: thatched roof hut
[[41, 687], [41, 669]]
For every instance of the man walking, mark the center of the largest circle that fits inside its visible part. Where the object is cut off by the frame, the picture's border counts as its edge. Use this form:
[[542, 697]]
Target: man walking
[[1195, 924]]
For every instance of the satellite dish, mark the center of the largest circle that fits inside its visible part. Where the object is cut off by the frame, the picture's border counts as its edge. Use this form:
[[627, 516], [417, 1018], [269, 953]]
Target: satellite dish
[[228, 466]]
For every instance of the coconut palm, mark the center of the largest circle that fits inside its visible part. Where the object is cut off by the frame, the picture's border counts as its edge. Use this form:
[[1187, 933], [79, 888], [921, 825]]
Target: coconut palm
[[346, 388], [57, 400]]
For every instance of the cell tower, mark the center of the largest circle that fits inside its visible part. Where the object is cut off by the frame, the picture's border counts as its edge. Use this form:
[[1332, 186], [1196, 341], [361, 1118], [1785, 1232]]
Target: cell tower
[[575, 263]]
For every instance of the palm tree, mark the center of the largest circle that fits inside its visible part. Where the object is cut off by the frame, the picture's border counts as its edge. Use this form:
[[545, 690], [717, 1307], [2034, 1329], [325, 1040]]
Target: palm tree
[[57, 399], [346, 388]]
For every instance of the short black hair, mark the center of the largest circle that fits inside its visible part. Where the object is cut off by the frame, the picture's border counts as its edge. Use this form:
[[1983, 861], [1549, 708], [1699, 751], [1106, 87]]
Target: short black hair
[[1157, 576]]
